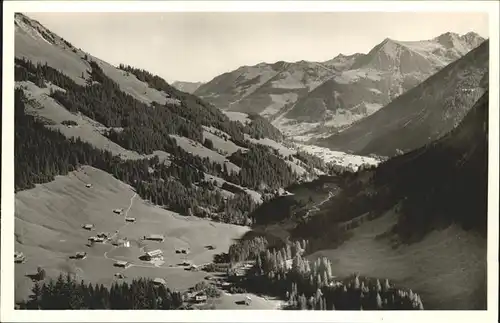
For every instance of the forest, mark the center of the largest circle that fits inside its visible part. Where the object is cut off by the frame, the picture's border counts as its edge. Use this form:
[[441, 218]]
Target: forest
[[41, 154], [65, 293], [144, 129], [310, 285]]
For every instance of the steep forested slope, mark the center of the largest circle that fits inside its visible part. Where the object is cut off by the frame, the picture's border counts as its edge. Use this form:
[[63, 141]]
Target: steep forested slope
[[157, 140], [441, 183]]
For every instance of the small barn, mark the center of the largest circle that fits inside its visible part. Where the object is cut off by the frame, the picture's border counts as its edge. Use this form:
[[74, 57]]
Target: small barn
[[88, 185], [200, 297], [159, 281], [155, 237], [118, 211], [129, 219], [154, 254], [122, 264], [96, 239], [19, 257], [81, 255], [121, 243], [88, 226]]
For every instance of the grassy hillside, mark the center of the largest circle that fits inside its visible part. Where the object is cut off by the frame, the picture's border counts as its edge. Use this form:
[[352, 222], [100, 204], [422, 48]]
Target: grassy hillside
[[48, 230]]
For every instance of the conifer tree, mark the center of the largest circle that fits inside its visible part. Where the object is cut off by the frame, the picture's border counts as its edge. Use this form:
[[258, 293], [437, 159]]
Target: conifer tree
[[379, 301]]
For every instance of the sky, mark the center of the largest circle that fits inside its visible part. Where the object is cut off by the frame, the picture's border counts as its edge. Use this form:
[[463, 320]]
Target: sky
[[199, 46]]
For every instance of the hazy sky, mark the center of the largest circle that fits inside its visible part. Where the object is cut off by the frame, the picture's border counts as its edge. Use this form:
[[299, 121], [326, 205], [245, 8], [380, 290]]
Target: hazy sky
[[200, 46]]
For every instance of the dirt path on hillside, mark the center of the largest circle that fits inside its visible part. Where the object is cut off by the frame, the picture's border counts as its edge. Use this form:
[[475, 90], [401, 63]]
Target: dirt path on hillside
[[316, 207]]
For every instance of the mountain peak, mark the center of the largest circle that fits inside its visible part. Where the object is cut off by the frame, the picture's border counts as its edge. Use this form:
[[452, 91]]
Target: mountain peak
[[448, 39]]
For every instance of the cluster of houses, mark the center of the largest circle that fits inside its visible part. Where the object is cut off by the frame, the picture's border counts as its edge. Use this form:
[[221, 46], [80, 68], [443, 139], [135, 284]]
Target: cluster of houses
[[100, 237]]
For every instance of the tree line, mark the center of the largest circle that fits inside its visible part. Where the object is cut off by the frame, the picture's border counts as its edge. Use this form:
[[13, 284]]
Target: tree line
[[65, 293]]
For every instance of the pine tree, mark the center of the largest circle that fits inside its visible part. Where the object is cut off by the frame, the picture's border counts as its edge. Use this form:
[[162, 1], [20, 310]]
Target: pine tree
[[387, 286], [378, 287], [288, 252], [356, 282], [40, 273], [34, 302], [379, 301]]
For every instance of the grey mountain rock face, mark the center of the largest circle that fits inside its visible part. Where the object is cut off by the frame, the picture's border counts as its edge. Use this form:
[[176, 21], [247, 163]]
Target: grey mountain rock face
[[424, 113]]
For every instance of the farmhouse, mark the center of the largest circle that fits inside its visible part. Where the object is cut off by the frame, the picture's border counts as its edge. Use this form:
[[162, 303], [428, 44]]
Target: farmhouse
[[19, 257], [118, 211], [200, 297], [88, 226], [130, 219], [159, 281], [81, 255], [88, 185], [155, 237], [103, 235], [96, 239], [154, 254], [122, 264], [121, 243]]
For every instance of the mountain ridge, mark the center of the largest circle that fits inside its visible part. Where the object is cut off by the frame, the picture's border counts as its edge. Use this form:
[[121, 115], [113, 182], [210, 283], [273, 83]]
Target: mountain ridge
[[313, 92], [428, 110]]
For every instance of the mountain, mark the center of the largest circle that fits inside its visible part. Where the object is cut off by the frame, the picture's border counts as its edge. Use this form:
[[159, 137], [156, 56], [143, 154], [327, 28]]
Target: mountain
[[424, 113], [315, 97], [188, 87], [264, 88]]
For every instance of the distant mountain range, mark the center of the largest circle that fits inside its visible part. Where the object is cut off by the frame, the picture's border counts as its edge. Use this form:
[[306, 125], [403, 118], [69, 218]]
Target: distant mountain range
[[422, 114], [307, 99]]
